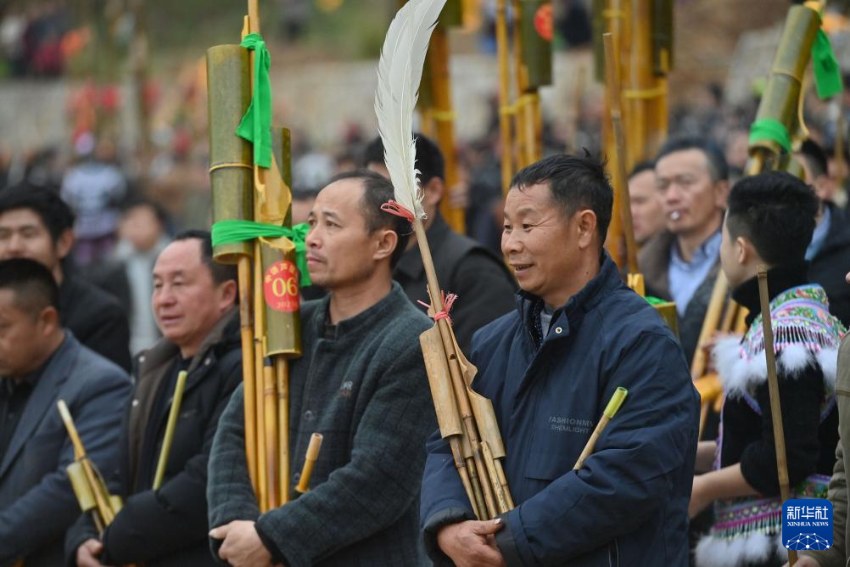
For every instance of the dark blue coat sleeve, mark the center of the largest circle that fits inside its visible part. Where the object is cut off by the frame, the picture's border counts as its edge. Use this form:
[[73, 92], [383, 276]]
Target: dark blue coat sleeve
[[42, 514], [646, 450]]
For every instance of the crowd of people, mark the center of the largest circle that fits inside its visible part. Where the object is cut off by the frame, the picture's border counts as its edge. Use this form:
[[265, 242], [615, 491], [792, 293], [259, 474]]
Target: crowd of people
[[108, 293]]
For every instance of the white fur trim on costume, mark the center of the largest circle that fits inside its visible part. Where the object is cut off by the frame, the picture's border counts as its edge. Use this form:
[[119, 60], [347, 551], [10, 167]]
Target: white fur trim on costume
[[794, 359], [726, 354], [739, 375], [717, 552]]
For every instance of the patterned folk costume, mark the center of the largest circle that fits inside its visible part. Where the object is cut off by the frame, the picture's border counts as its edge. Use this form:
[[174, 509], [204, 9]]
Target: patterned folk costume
[[747, 530]]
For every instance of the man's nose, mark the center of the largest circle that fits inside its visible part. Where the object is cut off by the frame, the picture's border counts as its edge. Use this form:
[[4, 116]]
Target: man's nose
[[14, 245], [312, 240], [510, 242]]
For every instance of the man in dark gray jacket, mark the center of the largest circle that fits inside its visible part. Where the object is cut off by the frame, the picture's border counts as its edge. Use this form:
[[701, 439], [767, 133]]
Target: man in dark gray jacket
[[361, 383], [41, 363]]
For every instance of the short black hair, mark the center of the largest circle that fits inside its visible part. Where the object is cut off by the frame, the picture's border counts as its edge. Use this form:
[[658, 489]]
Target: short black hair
[[576, 183], [54, 213], [815, 158], [776, 212], [429, 158], [32, 283], [377, 190], [220, 272], [158, 210], [718, 169], [641, 166]]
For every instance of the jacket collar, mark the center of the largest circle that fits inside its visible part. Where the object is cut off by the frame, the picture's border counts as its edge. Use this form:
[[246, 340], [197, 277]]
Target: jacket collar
[[43, 397], [572, 312], [164, 351], [839, 230], [410, 263], [779, 279], [366, 319], [654, 260]]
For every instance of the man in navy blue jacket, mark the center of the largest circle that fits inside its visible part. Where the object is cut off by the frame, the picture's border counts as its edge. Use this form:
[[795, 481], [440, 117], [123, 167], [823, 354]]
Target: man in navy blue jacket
[[550, 368]]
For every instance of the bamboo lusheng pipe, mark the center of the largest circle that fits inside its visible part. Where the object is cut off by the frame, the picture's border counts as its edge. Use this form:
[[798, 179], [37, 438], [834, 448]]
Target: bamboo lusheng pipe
[[170, 428], [773, 388], [638, 82], [710, 324], [614, 404], [443, 119], [534, 70], [310, 459], [246, 318], [103, 512], [620, 177], [505, 107], [520, 102], [259, 391], [272, 446], [476, 415], [784, 83], [231, 178], [282, 377]]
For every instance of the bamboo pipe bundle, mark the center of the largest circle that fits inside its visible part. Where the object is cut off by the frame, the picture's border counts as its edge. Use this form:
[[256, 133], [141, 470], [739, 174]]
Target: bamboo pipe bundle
[[89, 486], [257, 196]]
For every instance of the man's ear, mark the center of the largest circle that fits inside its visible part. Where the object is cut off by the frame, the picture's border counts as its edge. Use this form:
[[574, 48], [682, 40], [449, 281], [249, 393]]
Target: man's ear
[[64, 243], [385, 242], [228, 291], [586, 227], [721, 193], [49, 318], [744, 250]]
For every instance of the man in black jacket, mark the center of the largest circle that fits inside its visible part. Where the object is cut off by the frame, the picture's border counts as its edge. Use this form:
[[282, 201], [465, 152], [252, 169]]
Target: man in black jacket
[[484, 286], [193, 301], [36, 224]]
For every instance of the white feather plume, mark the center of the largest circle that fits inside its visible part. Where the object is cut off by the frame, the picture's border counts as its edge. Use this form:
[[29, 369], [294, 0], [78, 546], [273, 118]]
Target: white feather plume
[[399, 75]]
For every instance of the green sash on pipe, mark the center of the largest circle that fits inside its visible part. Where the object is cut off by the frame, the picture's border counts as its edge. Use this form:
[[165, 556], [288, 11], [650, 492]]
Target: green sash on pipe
[[230, 231]]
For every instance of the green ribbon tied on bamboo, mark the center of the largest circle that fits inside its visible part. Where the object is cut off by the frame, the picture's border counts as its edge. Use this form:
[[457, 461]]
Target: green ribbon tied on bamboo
[[770, 130], [231, 231], [825, 67], [255, 126]]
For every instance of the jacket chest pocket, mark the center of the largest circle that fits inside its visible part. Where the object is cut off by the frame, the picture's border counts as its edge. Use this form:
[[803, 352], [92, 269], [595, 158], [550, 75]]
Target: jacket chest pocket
[[556, 444]]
